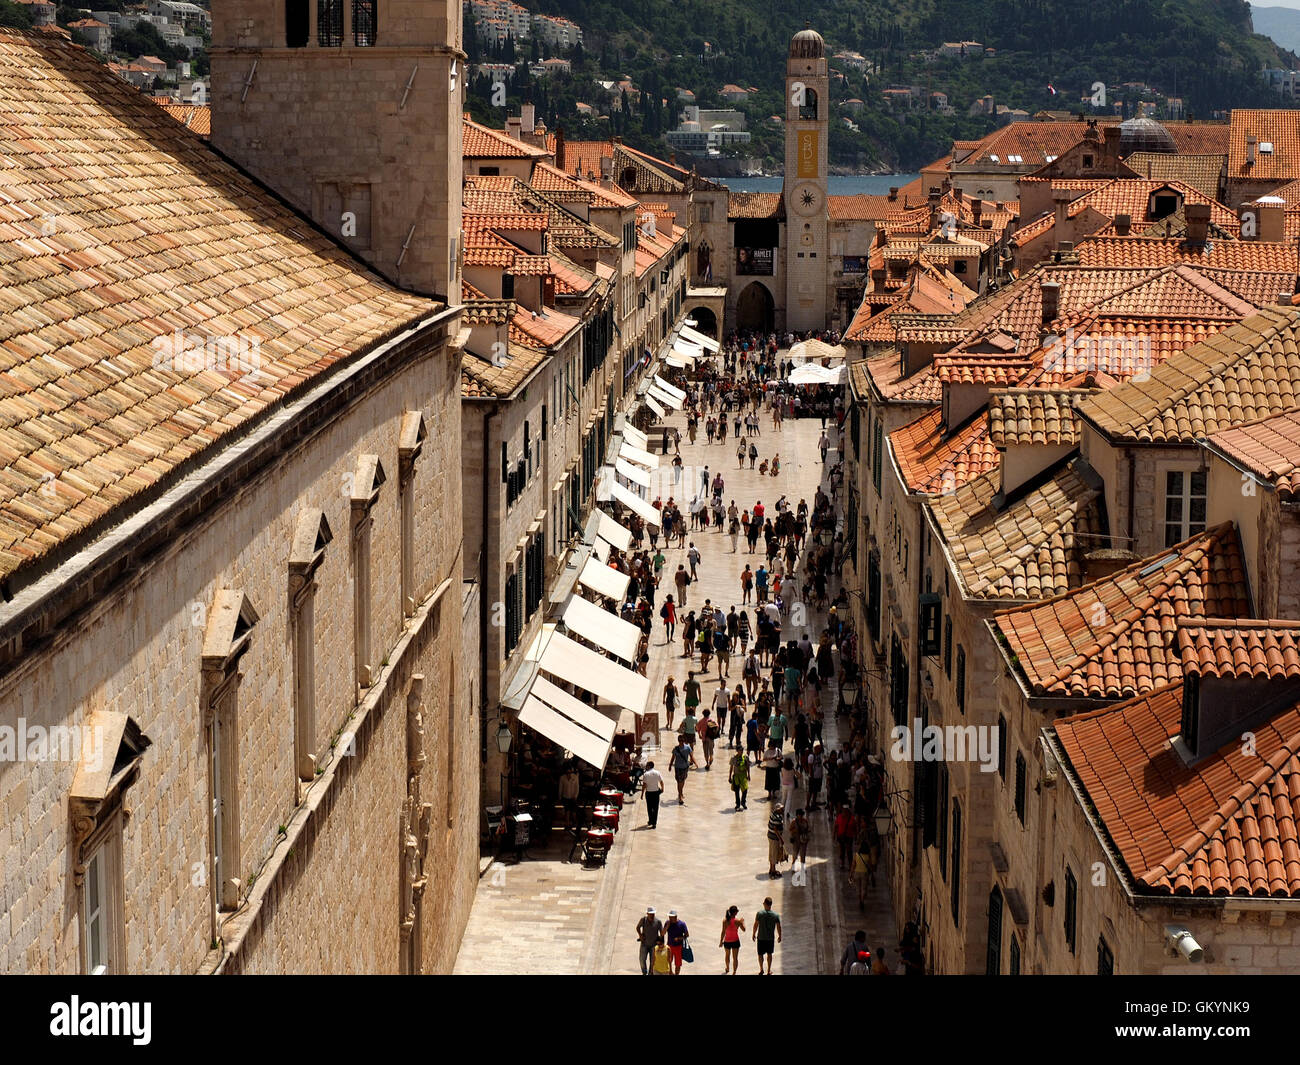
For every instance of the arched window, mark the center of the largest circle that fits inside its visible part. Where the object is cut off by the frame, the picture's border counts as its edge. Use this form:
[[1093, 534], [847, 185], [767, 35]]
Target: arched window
[[329, 23], [297, 23], [365, 21], [808, 109]]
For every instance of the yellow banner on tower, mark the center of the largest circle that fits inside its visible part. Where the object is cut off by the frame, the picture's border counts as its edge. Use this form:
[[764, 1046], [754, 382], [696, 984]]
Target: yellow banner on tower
[[806, 144]]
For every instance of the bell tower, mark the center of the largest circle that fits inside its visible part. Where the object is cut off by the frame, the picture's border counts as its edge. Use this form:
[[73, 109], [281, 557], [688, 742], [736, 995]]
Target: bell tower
[[351, 111], [807, 105]]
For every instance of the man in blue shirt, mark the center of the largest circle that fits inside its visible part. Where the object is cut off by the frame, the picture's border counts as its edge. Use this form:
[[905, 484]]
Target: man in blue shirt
[[760, 579]]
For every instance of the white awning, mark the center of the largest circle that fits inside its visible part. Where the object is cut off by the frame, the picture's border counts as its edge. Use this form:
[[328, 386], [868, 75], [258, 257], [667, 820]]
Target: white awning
[[664, 398], [679, 361], [638, 455], [603, 723], [699, 338], [635, 437], [611, 531], [653, 404], [672, 390], [567, 733], [636, 474], [689, 321], [687, 349], [593, 672], [635, 504], [602, 628], [604, 580], [600, 549], [604, 484]]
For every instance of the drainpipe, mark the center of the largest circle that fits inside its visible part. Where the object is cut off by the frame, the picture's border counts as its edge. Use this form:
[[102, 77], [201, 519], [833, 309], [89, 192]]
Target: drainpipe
[[1132, 503], [483, 606]]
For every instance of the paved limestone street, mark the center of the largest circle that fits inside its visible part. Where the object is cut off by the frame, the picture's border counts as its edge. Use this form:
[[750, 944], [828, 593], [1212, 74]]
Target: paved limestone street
[[546, 915]]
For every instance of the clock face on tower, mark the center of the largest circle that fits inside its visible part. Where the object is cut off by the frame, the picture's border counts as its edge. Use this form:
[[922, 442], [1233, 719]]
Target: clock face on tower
[[807, 200]]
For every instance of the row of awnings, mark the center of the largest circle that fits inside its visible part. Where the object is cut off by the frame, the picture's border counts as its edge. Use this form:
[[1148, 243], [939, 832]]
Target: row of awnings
[[555, 658]]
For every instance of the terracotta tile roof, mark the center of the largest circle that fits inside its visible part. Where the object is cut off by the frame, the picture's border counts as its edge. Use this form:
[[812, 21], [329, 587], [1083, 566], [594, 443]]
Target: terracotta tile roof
[[117, 229], [1270, 450], [486, 379], [1131, 196], [885, 372], [1201, 172], [971, 368], [534, 330], [861, 207], [195, 118], [1199, 138], [1247, 372], [1223, 826], [1134, 252], [1032, 141], [1030, 547], [1114, 638], [932, 462], [583, 157], [479, 142], [1240, 647], [1280, 128], [755, 205], [1033, 416]]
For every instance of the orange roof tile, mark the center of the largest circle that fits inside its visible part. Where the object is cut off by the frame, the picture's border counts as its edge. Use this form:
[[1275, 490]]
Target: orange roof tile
[[1137, 252], [885, 372], [1269, 449], [1246, 373], [1240, 647], [1113, 638], [1028, 548], [862, 207], [932, 462], [1276, 127], [755, 205], [479, 142], [1033, 416], [535, 330], [1201, 172], [117, 229], [1223, 826]]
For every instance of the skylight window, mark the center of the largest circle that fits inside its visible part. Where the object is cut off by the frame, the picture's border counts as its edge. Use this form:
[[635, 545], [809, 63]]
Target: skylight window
[[1158, 564], [1051, 158], [995, 158], [1265, 147]]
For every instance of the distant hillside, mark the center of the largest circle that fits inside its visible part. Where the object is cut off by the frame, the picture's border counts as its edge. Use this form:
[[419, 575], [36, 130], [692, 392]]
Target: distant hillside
[[1282, 24], [1202, 51]]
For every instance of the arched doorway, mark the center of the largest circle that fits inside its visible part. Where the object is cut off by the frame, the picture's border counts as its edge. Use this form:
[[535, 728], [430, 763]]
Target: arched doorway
[[706, 321], [755, 309]]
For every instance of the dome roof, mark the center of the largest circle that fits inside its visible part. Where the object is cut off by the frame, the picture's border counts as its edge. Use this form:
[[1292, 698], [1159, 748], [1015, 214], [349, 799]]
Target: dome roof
[[807, 44], [1145, 135]]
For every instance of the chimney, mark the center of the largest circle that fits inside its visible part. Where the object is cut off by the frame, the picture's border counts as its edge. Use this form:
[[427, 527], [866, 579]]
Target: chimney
[[1198, 222], [1111, 133], [976, 209], [1104, 562], [957, 193], [606, 168], [878, 280], [1061, 202], [528, 113], [933, 200], [1051, 296], [893, 192], [1122, 224], [514, 126], [1272, 220], [1284, 299], [559, 149], [1250, 151], [548, 290]]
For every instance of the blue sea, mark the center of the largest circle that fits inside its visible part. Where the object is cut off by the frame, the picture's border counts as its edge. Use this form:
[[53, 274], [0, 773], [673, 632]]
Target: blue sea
[[877, 184]]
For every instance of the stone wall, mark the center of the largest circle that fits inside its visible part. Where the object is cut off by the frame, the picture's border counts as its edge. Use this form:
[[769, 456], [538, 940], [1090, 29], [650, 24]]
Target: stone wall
[[138, 651]]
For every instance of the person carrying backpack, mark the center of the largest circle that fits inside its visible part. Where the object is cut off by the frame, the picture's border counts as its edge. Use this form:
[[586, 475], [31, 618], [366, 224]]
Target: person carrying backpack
[[683, 757]]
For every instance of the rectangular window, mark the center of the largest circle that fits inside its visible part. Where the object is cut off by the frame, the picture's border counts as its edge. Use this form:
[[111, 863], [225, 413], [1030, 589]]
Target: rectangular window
[[1185, 504], [961, 678], [364, 23], [955, 882], [993, 953], [898, 681], [1105, 959], [1002, 747], [97, 912], [947, 646], [929, 624], [329, 23], [512, 612], [943, 820], [1022, 774], [873, 595], [877, 447], [1013, 957], [1071, 909]]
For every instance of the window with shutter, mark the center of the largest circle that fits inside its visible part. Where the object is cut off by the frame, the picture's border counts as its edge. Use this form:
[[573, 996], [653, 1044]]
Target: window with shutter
[[1105, 959], [1021, 774], [947, 647], [955, 882], [873, 595], [961, 678], [1002, 747], [1071, 909], [993, 960], [942, 811], [929, 624], [1013, 957]]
